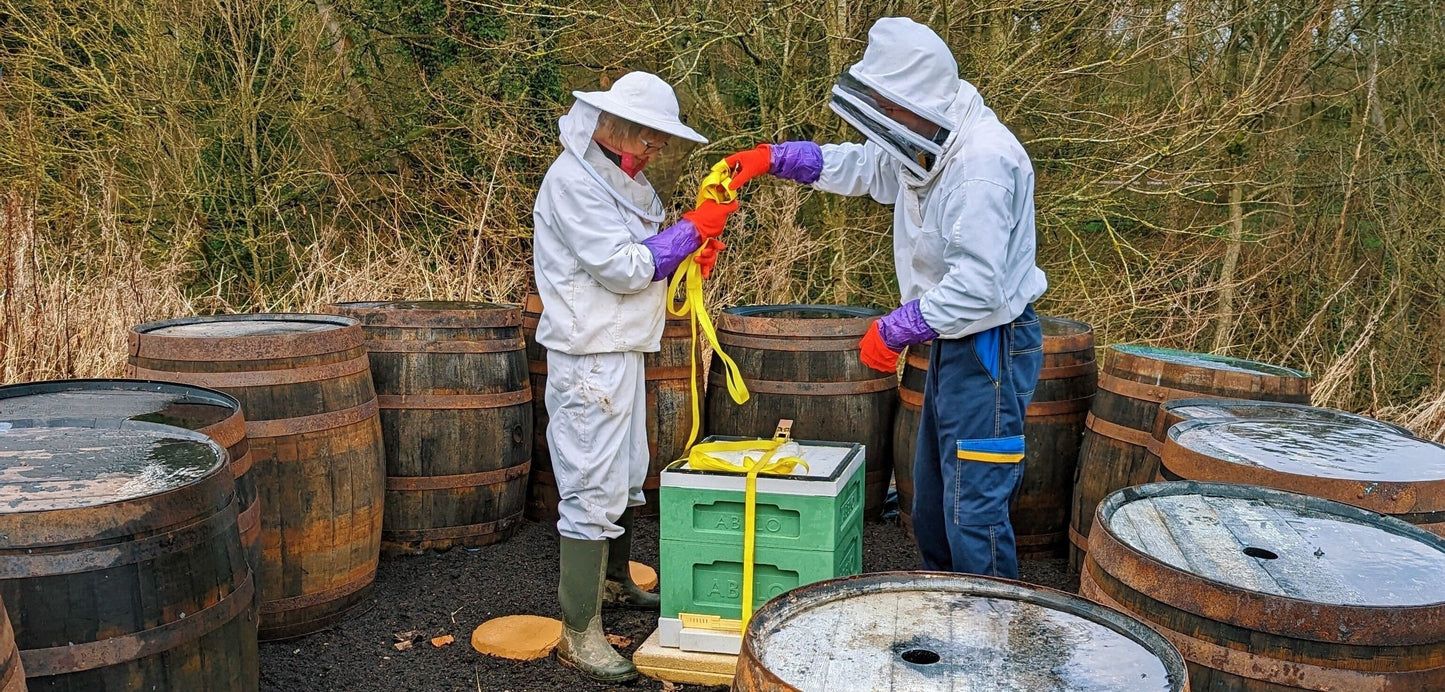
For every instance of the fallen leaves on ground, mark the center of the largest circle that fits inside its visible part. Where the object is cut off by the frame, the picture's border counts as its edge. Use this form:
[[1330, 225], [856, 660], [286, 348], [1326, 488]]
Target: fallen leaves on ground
[[619, 641]]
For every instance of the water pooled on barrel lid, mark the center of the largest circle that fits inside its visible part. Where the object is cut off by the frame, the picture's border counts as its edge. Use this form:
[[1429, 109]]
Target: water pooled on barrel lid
[[50, 467], [1326, 444], [1200, 409], [228, 327], [930, 640], [1210, 362], [172, 407], [1285, 545]]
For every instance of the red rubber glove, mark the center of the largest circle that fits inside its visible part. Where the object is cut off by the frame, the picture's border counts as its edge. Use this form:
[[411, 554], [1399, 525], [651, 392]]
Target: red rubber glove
[[710, 217], [876, 354], [707, 257], [750, 164]]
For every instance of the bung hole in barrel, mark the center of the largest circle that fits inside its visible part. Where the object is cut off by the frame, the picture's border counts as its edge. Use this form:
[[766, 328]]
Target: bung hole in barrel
[[920, 657], [1260, 553]]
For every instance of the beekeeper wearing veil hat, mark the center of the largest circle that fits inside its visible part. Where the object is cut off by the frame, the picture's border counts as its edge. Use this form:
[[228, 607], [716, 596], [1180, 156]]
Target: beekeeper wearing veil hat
[[962, 189], [601, 263]]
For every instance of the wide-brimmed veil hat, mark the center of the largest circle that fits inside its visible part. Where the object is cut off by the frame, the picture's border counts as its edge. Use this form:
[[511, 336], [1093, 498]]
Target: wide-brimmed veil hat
[[645, 99]]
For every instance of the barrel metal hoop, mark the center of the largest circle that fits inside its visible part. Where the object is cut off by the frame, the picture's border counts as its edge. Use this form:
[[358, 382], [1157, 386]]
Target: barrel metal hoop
[[282, 427], [1114, 431], [452, 532], [1073, 343], [243, 463], [911, 399], [669, 373], [1385, 497], [1063, 372], [1272, 670], [258, 378], [249, 519], [511, 345], [1147, 392], [256, 347], [547, 478], [387, 315], [229, 432], [537, 367], [1080, 541], [59, 660], [880, 384], [454, 401], [286, 605], [792, 344], [62, 559], [460, 480], [1056, 408]]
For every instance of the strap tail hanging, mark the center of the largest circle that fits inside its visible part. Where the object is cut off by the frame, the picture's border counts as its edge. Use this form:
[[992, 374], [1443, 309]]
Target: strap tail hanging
[[689, 277]]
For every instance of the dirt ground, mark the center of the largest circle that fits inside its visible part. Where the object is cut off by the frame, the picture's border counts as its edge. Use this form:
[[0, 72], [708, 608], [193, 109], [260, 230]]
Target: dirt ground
[[453, 592]]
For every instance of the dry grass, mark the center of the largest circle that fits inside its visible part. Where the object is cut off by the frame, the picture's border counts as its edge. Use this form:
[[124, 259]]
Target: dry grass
[[1266, 181]]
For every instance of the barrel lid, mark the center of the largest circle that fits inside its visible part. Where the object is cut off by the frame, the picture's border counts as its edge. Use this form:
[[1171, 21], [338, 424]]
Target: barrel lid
[[1280, 544], [1318, 443], [1062, 326], [222, 326], [181, 405], [929, 631], [59, 464], [1208, 361]]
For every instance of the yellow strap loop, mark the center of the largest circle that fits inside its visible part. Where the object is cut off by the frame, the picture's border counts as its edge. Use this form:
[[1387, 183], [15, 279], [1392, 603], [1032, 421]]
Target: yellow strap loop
[[700, 458], [714, 187]]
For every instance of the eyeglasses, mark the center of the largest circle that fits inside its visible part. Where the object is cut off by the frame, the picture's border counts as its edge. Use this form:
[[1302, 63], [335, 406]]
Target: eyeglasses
[[649, 146]]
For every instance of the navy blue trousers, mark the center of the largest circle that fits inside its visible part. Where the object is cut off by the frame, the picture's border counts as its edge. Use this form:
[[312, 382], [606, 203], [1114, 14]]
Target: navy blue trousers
[[969, 463]]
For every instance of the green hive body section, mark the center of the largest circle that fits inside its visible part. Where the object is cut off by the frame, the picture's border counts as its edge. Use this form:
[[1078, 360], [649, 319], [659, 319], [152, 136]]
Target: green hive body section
[[808, 528]]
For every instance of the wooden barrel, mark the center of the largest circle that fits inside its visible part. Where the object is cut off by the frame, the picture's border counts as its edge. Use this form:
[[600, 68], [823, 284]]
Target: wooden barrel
[[12, 673], [1330, 454], [669, 410], [1135, 381], [305, 386], [1267, 591], [1174, 412], [120, 560], [214, 414], [925, 631], [1053, 428], [456, 419], [801, 363]]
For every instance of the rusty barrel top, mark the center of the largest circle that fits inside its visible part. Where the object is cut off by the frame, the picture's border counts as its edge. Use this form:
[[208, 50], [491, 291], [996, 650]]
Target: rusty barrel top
[[1307, 565], [269, 336], [1177, 411], [927, 631], [437, 314], [1208, 361], [87, 469], [793, 322], [1063, 335]]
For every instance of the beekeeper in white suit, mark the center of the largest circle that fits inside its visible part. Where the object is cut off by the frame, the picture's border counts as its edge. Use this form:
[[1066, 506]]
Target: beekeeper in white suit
[[601, 264], [962, 191]]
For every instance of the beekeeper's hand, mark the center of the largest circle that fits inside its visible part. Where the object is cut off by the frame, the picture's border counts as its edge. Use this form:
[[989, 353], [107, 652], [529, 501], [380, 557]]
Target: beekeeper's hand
[[800, 162]]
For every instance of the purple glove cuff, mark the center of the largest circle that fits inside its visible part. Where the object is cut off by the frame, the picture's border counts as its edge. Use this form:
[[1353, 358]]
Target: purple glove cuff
[[800, 162], [905, 326], [671, 247]]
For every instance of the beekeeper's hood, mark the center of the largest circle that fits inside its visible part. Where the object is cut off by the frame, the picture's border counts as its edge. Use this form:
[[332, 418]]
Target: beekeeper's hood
[[642, 98], [907, 63]]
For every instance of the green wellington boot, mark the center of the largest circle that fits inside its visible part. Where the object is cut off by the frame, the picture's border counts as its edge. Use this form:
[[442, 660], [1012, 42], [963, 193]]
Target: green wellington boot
[[620, 591], [579, 590]]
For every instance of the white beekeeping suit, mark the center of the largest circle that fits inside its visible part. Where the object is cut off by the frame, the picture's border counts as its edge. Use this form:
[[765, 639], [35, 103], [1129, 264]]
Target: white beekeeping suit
[[945, 217]]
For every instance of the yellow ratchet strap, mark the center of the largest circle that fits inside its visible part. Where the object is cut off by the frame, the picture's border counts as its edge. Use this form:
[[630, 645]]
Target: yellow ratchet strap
[[700, 458], [714, 187]]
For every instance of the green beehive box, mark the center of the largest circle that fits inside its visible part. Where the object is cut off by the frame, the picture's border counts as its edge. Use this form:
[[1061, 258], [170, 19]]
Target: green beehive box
[[809, 528]]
